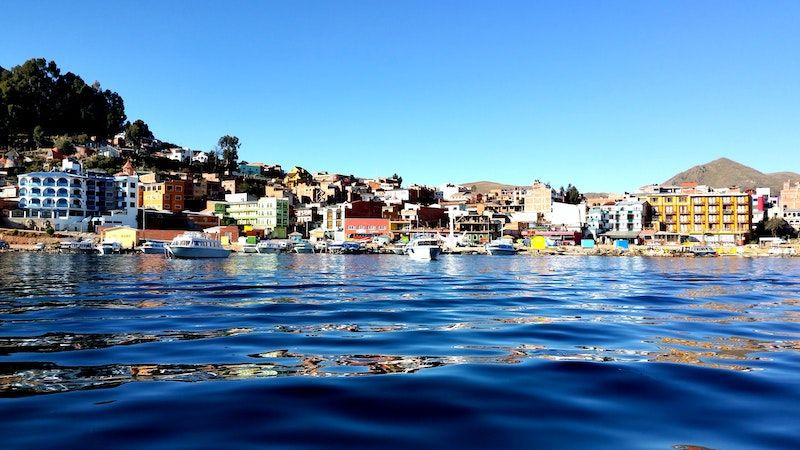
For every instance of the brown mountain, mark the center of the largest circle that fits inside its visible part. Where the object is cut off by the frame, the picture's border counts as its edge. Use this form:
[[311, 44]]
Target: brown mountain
[[724, 172], [483, 187]]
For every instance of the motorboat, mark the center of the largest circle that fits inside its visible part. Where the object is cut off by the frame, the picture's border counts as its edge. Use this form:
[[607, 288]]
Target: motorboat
[[702, 250], [76, 247], [196, 245], [109, 247], [303, 247], [250, 248], [424, 249], [271, 247], [151, 248], [500, 247]]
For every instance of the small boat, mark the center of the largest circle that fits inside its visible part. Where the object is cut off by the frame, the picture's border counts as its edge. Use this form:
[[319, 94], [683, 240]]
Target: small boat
[[76, 247], [39, 247], [271, 247], [500, 247], [250, 248], [196, 245], [423, 249], [702, 250], [151, 248], [303, 247], [109, 247]]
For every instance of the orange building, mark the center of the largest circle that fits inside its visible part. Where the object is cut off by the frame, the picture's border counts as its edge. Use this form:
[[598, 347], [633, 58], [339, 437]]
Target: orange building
[[169, 195]]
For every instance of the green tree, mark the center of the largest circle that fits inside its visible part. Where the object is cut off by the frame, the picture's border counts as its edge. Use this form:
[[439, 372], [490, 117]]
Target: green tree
[[229, 147], [65, 144], [136, 132], [778, 227], [572, 195], [38, 136]]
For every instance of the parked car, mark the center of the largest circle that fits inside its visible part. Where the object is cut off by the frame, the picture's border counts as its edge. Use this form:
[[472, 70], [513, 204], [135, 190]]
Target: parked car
[[4, 245]]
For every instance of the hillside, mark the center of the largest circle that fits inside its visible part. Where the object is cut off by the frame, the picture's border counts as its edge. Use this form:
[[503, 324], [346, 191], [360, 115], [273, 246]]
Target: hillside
[[724, 172], [485, 186]]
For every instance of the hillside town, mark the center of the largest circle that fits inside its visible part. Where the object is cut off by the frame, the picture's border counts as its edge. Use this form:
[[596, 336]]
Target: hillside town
[[248, 202]]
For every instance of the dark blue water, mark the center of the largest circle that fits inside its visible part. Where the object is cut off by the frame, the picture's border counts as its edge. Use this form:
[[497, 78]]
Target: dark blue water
[[380, 351]]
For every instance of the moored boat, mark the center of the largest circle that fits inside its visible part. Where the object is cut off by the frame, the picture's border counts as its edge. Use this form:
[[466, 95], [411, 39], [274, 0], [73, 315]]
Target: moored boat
[[271, 247], [109, 247], [152, 248], [303, 247], [196, 245], [500, 247], [424, 249]]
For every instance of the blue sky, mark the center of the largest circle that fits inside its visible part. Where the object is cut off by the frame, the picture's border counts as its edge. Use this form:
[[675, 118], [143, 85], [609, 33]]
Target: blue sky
[[606, 95]]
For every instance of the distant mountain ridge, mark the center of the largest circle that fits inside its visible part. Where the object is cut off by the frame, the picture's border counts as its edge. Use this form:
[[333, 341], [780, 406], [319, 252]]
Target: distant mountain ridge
[[483, 187], [724, 172]]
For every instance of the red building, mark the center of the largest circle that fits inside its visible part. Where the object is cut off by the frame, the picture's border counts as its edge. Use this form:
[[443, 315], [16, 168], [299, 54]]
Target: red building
[[365, 228]]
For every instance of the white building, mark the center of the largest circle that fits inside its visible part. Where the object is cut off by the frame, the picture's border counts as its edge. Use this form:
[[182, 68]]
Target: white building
[[199, 156], [179, 154], [572, 217]]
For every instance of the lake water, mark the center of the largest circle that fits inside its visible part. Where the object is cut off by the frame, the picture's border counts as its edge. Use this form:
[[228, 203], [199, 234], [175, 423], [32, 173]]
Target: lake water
[[380, 351]]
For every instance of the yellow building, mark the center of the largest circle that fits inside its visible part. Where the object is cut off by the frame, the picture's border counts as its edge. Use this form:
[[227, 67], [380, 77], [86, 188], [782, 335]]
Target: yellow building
[[717, 217], [126, 236]]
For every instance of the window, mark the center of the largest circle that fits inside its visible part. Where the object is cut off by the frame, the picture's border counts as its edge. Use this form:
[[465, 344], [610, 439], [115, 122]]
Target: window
[[177, 197], [169, 187], [178, 188], [351, 227]]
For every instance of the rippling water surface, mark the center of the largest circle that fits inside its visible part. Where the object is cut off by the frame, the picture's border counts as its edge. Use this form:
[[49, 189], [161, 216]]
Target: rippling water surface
[[376, 351]]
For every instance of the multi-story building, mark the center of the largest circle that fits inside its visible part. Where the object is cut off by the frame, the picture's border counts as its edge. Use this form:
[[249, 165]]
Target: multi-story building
[[790, 196], [624, 216], [267, 213], [722, 215], [67, 196], [539, 198], [168, 195], [792, 217]]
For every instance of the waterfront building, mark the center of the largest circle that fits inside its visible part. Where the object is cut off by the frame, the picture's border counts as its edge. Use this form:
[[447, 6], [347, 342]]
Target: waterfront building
[[701, 213], [364, 228], [623, 216], [267, 213], [66, 196]]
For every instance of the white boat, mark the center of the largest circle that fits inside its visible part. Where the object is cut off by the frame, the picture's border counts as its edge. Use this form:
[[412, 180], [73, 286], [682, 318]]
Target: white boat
[[303, 247], [250, 248], [77, 247], [702, 250], [271, 247], [424, 249], [109, 247], [500, 247], [196, 245], [152, 248]]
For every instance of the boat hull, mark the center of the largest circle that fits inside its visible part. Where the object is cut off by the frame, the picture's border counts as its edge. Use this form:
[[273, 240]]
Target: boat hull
[[501, 251], [198, 252], [424, 253]]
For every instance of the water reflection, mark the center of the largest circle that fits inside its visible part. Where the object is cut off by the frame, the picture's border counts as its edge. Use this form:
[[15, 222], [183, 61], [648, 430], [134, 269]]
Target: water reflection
[[341, 316]]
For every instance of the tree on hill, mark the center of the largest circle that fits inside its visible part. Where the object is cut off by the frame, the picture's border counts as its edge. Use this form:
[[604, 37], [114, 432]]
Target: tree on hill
[[229, 147], [136, 132], [38, 100]]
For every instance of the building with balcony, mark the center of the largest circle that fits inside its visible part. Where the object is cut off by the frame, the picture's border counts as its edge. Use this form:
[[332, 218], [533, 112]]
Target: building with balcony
[[267, 213], [703, 214], [65, 197]]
